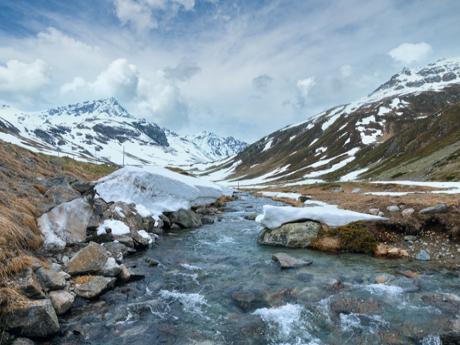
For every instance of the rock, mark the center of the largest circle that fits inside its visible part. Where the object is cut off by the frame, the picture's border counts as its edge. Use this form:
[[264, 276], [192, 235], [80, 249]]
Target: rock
[[393, 208], [287, 261], [29, 284], [59, 194], [52, 280], [142, 239], [151, 262], [125, 274], [410, 238], [335, 285], [249, 300], [251, 216], [326, 244], [82, 186], [175, 227], [423, 255], [94, 287], [336, 190], [410, 274], [185, 218], [62, 301], [111, 268], [207, 220], [166, 221], [354, 305], [356, 190], [22, 341], [118, 250], [292, 235], [126, 240], [65, 223], [439, 208], [374, 211], [32, 319], [391, 252], [90, 259], [454, 233], [383, 278], [407, 212]]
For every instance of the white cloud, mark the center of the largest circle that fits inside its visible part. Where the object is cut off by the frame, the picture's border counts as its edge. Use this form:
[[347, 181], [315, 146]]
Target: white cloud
[[410, 52], [346, 71], [142, 14], [22, 77], [305, 85]]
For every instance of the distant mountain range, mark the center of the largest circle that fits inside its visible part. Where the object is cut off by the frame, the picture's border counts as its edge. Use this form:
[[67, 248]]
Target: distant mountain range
[[409, 127], [103, 129]]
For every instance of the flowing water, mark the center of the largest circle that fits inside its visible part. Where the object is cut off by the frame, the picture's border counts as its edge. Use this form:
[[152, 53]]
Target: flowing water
[[216, 285]]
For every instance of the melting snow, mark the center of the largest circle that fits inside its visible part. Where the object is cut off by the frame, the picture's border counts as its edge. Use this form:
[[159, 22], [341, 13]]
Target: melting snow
[[117, 227], [353, 175]]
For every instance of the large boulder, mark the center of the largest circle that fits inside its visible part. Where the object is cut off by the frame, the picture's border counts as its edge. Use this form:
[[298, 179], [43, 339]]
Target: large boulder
[[118, 250], [94, 286], [287, 261], [90, 259], [185, 218], [35, 319], [65, 223], [62, 301], [52, 280], [292, 235], [438, 208]]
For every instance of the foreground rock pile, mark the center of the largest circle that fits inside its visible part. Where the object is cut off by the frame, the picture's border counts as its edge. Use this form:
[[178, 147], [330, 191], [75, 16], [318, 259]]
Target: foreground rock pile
[[86, 242]]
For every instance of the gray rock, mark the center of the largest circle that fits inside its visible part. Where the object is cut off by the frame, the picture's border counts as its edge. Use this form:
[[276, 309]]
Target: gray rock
[[407, 212], [94, 287], [248, 300], [68, 222], [23, 341], [251, 216], [60, 194], [356, 190], [125, 274], [29, 284], [439, 208], [118, 250], [423, 255], [185, 218], [287, 261], [126, 240], [207, 220], [374, 211], [52, 280], [292, 235], [90, 259], [82, 186], [393, 208], [410, 238], [140, 242], [62, 301], [111, 268], [33, 319]]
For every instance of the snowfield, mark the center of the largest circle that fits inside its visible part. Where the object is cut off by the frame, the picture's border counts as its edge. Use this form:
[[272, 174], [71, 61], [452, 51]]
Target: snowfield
[[275, 216], [155, 190]]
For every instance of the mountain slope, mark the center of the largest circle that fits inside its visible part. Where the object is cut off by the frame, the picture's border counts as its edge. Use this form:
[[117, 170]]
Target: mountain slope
[[407, 128], [102, 130]]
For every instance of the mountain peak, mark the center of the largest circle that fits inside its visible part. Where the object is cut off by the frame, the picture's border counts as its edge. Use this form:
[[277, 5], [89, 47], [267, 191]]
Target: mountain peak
[[434, 76], [109, 106]]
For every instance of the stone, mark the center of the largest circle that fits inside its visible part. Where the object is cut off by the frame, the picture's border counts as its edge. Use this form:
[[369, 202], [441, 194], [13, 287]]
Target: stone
[[175, 227], [52, 280], [423, 255], [23, 341], [207, 220], [287, 261], [409, 274], [326, 244], [439, 208], [126, 240], [29, 284], [185, 218], [151, 262], [62, 301], [65, 224], [111, 268], [90, 259], [125, 274], [141, 241], [94, 287], [383, 278], [393, 208], [356, 190], [248, 300], [292, 235], [251, 216], [32, 319], [374, 211], [407, 212], [60, 194], [82, 186], [410, 238], [354, 305], [454, 233], [118, 250]]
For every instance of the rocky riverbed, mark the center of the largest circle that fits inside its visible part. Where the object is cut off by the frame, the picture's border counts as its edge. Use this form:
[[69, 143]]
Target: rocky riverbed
[[216, 285]]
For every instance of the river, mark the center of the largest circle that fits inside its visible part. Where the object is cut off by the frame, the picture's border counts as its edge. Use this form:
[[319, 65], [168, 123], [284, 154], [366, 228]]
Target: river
[[216, 285]]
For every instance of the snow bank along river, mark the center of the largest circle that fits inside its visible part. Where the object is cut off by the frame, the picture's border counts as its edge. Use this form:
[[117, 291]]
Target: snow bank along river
[[215, 285]]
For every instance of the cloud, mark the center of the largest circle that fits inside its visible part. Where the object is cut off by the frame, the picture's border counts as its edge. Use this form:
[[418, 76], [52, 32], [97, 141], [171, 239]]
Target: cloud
[[142, 15], [304, 86], [410, 52], [21, 77], [262, 82], [182, 72], [346, 71]]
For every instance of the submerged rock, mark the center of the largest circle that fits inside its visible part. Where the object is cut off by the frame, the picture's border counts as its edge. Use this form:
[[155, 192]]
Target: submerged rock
[[90, 259], [33, 319], [423, 255], [249, 300], [292, 235], [185, 218], [287, 261]]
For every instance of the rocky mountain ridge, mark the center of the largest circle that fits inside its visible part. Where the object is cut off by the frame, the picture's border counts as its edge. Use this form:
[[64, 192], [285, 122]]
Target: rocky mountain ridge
[[103, 130]]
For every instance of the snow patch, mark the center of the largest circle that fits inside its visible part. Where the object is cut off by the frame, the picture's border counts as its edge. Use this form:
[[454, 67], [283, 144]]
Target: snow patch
[[118, 227]]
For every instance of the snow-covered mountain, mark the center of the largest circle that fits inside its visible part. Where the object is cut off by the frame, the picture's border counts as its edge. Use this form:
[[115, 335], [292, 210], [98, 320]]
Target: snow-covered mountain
[[102, 130], [409, 127]]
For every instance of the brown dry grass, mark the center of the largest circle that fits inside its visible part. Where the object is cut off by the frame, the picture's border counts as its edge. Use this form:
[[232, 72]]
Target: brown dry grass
[[21, 193], [9, 297]]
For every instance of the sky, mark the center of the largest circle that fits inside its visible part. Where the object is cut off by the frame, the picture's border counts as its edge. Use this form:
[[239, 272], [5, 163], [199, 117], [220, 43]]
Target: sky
[[236, 67]]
